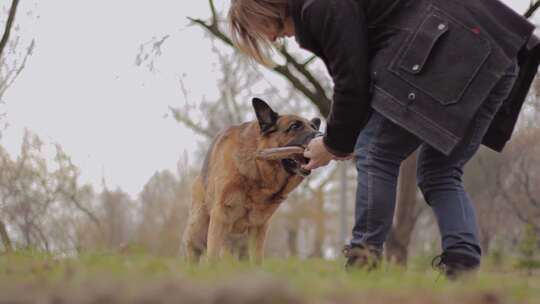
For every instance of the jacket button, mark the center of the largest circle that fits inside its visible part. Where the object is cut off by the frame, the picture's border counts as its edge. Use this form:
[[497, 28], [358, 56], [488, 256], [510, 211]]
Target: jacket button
[[416, 67], [412, 96], [442, 26]]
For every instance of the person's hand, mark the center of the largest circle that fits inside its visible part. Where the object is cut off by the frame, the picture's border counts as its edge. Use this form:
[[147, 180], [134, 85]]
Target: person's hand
[[317, 154]]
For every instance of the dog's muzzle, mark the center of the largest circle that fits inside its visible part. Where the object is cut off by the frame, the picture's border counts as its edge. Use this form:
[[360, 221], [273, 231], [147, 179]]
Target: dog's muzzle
[[294, 164]]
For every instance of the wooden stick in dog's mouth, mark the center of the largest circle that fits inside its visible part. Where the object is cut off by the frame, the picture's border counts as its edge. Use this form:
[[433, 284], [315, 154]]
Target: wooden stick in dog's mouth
[[279, 153]]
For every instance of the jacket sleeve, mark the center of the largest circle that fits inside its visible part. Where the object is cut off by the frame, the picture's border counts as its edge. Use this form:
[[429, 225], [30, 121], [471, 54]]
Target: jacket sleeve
[[338, 28]]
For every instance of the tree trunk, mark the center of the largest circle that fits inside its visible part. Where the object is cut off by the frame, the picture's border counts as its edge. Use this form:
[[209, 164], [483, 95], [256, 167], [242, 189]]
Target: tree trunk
[[405, 217], [292, 241], [6, 241], [485, 241], [320, 228]]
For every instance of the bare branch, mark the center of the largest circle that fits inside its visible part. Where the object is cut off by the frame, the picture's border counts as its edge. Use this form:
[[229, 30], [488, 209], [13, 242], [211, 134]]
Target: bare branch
[[214, 13], [9, 25], [318, 98], [515, 205], [214, 30], [75, 200], [532, 9], [180, 117], [526, 183]]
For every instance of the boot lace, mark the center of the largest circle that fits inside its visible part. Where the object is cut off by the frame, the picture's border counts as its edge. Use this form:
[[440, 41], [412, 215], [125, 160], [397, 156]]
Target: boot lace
[[438, 263]]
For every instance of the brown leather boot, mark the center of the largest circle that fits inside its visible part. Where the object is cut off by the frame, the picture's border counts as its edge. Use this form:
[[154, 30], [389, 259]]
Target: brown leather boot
[[454, 265], [361, 257]]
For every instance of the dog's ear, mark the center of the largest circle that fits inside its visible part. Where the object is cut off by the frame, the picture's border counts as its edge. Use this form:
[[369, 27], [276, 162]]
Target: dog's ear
[[316, 123], [265, 115]]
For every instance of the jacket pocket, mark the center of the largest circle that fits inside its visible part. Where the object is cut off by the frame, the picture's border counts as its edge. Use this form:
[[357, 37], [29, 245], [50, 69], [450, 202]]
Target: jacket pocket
[[442, 57]]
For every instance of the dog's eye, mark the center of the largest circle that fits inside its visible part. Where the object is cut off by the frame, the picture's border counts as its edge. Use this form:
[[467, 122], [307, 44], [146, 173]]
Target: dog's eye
[[297, 125]]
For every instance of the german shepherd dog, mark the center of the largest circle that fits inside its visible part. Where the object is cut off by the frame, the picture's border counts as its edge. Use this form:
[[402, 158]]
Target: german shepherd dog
[[237, 192]]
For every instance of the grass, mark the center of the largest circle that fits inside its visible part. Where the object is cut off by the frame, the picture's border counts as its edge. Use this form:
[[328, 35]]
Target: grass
[[30, 277]]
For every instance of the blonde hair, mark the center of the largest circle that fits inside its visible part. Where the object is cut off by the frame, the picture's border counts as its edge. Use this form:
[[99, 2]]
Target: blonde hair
[[247, 21]]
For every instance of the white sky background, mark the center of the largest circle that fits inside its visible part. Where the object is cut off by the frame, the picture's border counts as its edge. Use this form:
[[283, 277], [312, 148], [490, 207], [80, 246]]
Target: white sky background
[[82, 89]]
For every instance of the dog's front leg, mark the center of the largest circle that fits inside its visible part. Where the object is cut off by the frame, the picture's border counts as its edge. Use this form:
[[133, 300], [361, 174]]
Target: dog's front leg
[[217, 232], [257, 236], [224, 213]]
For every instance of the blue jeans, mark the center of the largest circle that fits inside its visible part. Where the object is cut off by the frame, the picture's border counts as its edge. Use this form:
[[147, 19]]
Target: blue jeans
[[380, 149]]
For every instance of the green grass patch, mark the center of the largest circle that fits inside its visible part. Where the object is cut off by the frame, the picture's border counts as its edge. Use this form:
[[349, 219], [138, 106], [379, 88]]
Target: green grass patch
[[30, 277]]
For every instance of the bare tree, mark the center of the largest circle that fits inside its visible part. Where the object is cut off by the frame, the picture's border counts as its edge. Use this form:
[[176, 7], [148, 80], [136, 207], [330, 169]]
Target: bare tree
[[481, 183], [6, 241], [519, 183], [35, 194], [505, 189], [303, 226], [117, 210], [10, 68], [295, 70], [408, 209], [230, 108], [3, 42], [320, 214], [26, 192], [165, 202]]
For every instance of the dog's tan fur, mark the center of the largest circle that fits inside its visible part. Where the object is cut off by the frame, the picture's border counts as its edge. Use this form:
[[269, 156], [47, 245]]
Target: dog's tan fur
[[236, 194]]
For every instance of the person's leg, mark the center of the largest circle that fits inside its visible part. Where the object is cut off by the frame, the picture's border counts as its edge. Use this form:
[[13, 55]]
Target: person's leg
[[379, 151], [440, 180]]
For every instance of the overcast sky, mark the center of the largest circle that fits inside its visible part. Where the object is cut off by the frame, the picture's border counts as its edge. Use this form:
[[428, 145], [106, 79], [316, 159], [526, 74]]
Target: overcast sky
[[82, 89]]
